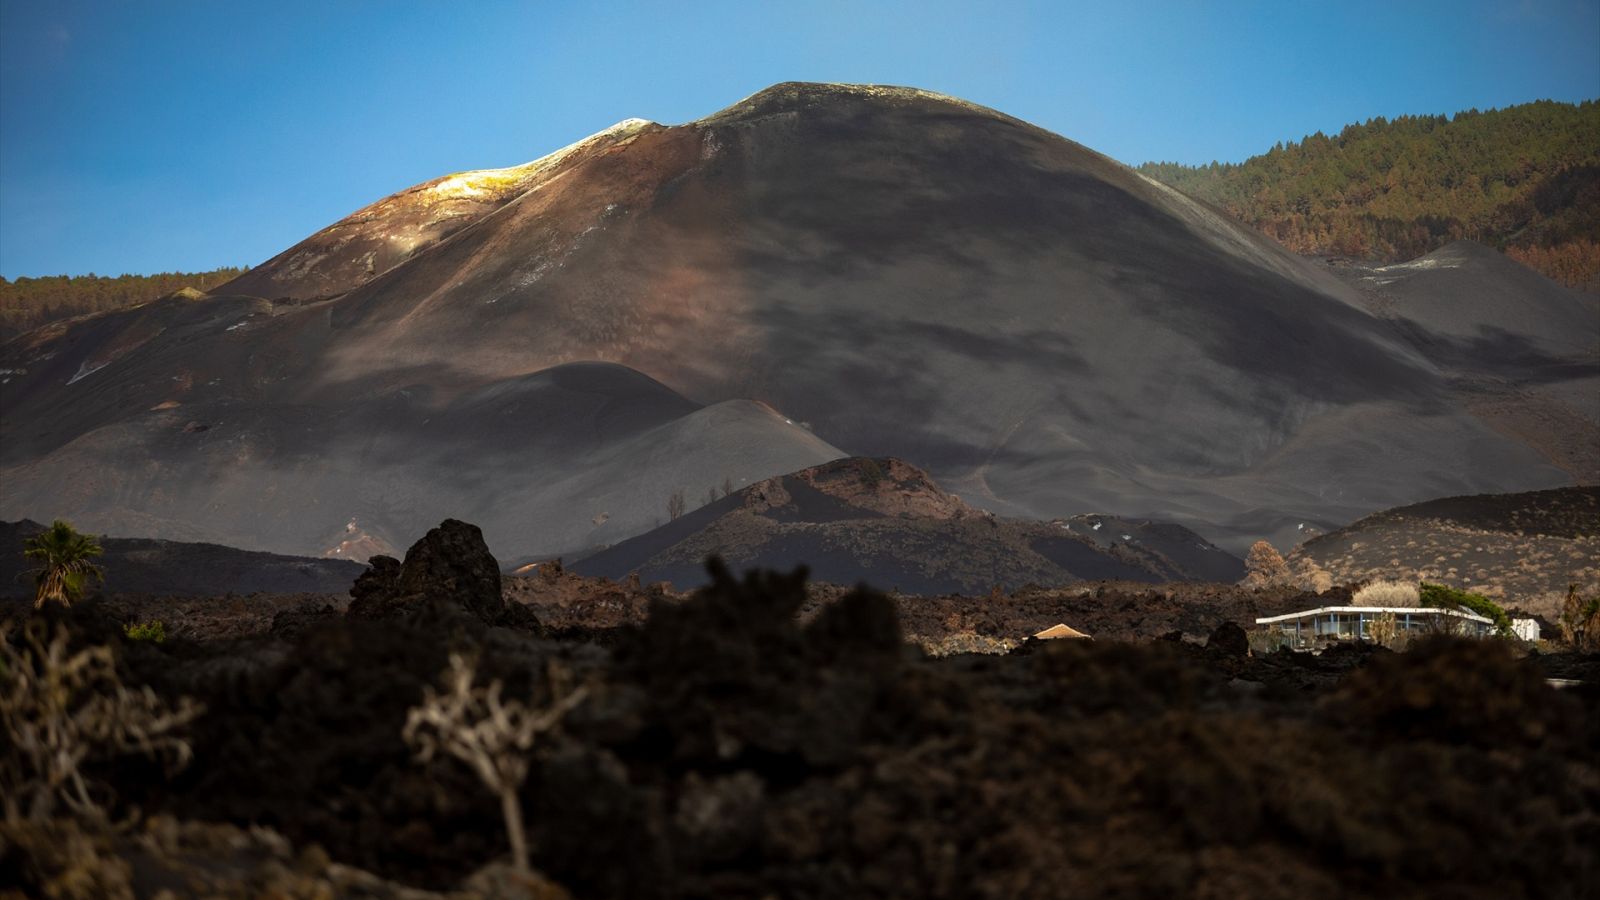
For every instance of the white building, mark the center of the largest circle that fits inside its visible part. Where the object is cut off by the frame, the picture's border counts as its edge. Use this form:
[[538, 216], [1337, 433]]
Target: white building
[[1525, 629], [1328, 624]]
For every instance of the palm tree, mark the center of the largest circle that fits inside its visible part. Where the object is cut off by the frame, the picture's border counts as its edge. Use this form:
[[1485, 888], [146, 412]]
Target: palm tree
[[64, 566]]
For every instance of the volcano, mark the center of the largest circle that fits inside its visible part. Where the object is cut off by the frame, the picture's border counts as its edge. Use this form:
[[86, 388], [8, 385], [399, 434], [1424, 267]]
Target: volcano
[[557, 350]]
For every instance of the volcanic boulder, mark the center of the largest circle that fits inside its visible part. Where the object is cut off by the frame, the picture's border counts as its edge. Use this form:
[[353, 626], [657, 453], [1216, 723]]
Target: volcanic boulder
[[1228, 639], [450, 567], [452, 562], [373, 594]]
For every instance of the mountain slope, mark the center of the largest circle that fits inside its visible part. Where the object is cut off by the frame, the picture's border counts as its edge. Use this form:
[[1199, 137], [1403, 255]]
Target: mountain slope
[[374, 239], [900, 273], [1525, 178], [1521, 549], [886, 523], [1521, 352], [556, 461], [1466, 292]]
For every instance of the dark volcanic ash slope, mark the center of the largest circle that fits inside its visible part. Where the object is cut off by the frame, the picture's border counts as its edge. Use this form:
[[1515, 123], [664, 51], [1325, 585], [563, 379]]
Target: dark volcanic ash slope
[[1521, 549], [1521, 351], [907, 274], [1184, 551], [1474, 301], [229, 448], [143, 566], [886, 523]]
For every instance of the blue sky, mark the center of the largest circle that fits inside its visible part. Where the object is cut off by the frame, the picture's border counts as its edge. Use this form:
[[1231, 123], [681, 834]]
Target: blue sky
[[143, 136]]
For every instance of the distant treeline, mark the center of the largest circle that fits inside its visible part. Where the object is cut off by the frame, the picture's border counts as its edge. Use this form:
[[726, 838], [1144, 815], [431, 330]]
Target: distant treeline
[[1525, 179], [28, 303]]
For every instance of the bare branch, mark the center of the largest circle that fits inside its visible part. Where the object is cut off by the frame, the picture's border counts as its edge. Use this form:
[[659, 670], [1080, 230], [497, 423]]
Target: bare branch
[[61, 708], [491, 735]]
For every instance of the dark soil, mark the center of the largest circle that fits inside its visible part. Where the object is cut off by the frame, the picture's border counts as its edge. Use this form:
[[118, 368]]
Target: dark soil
[[755, 740]]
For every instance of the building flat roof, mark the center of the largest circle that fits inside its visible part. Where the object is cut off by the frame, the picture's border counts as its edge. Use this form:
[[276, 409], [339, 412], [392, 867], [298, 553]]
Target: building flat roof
[[1412, 610]]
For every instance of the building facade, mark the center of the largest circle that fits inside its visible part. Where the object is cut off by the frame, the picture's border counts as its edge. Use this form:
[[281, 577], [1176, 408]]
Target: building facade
[[1333, 624]]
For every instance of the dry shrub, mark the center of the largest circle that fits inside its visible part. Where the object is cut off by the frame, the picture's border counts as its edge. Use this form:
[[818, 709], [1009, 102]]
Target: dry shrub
[[1308, 576], [964, 642], [1264, 567], [492, 735], [1383, 630], [1580, 621], [1387, 593], [61, 709], [1267, 640], [1574, 263]]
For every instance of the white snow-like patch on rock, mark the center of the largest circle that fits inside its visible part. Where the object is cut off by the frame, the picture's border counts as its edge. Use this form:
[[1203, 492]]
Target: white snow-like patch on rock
[[85, 370], [1426, 262]]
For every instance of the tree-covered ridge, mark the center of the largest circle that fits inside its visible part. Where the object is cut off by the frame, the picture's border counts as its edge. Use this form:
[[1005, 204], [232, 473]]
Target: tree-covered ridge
[[30, 302], [1525, 179]]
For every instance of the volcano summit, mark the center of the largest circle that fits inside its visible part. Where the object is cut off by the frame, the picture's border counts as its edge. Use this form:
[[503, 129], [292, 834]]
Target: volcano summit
[[555, 350]]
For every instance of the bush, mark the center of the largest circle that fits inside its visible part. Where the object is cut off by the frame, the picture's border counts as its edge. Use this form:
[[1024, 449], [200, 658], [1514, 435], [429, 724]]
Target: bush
[[492, 735], [1308, 576], [1267, 640], [964, 642], [155, 631], [1442, 596], [1580, 621], [1265, 567], [63, 708], [1387, 593], [1383, 630]]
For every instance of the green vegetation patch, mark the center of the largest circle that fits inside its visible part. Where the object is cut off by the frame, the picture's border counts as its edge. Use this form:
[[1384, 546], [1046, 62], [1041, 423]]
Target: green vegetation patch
[[153, 631], [1525, 179], [27, 303], [1441, 596]]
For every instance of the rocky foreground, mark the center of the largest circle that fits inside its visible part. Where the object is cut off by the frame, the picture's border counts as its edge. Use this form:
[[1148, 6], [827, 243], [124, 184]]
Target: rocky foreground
[[760, 739]]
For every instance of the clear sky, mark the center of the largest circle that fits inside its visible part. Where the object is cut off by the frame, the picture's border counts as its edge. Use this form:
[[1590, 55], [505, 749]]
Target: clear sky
[[142, 136]]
